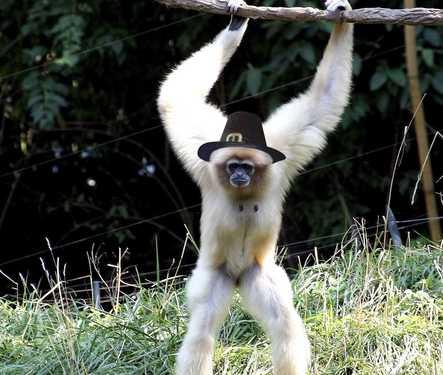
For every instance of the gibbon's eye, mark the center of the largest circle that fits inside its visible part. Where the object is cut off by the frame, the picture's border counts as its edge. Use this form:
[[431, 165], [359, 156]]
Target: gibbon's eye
[[238, 166], [232, 167], [248, 168]]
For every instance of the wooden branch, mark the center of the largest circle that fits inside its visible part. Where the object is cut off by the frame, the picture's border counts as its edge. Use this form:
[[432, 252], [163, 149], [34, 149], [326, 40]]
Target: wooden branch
[[420, 128], [415, 16]]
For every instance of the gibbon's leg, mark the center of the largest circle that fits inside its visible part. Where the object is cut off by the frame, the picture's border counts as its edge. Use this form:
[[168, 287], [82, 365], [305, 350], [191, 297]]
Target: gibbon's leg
[[209, 293], [267, 294]]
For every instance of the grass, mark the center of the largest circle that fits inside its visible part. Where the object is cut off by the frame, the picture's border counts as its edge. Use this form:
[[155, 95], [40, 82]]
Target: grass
[[367, 312]]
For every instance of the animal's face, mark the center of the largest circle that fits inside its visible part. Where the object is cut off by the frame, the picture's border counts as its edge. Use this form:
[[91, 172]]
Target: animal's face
[[241, 171]]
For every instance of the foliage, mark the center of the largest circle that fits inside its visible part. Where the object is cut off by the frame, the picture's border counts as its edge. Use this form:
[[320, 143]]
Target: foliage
[[75, 75], [366, 311]]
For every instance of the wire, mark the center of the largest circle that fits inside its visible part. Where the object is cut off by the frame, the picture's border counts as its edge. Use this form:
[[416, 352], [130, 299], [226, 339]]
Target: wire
[[416, 221], [75, 242], [151, 129], [420, 219], [176, 211], [337, 162], [291, 83], [80, 240], [85, 51], [412, 223], [69, 155], [292, 244], [130, 135]]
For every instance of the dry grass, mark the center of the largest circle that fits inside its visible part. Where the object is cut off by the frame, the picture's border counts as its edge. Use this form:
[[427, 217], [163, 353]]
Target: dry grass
[[368, 311]]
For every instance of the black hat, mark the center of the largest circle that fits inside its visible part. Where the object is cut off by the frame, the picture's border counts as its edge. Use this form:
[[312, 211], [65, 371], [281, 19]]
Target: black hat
[[242, 129]]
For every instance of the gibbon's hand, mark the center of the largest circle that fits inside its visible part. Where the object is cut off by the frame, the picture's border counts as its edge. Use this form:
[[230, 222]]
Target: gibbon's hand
[[236, 22], [233, 5], [337, 5]]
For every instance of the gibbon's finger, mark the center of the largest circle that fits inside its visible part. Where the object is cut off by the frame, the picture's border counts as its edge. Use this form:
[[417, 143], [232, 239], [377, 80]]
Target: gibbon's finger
[[337, 5], [236, 22], [233, 5]]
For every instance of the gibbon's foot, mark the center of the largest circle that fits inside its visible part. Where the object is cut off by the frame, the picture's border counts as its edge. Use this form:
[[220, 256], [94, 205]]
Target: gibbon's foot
[[335, 5], [236, 22]]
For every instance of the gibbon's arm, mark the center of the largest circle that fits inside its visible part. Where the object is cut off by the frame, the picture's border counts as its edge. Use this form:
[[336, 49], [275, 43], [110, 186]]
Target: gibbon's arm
[[299, 128], [188, 119]]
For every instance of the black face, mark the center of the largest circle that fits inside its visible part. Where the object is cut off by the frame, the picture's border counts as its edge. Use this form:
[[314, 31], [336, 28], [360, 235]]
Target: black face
[[240, 173]]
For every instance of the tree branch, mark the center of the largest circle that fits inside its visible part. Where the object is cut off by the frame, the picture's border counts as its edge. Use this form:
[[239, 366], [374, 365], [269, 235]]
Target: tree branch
[[413, 16]]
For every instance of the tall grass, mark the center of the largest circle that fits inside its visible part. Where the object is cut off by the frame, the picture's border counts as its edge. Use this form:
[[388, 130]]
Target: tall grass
[[367, 310]]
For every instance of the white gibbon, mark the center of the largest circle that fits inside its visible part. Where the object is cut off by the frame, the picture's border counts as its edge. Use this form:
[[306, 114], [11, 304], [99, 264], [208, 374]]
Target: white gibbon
[[243, 181]]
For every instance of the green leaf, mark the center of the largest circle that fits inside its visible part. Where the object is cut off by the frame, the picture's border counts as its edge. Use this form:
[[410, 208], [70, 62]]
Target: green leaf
[[34, 100], [60, 88], [428, 57], [377, 80], [425, 82], [290, 3], [382, 102], [292, 31], [253, 80], [432, 36], [35, 54], [29, 28], [308, 53], [237, 87], [356, 65], [30, 81], [68, 59], [273, 29], [359, 107], [123, 211], [397, 76], [437, 82], [57, 100], [404, 99]]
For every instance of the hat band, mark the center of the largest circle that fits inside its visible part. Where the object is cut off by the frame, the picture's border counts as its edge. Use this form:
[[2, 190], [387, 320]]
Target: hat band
[[234, 137]]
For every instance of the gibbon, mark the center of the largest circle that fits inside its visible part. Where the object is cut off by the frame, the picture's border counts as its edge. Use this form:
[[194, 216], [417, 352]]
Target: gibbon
[[244, 177]]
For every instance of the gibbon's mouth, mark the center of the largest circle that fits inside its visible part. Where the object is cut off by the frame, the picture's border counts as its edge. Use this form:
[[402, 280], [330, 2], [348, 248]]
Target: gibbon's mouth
[[239, 182]]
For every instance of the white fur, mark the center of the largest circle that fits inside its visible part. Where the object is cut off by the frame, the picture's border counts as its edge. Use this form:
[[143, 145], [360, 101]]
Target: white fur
[[209, 293], [189, 120], [230, 237], [299, 128], [267, 294]]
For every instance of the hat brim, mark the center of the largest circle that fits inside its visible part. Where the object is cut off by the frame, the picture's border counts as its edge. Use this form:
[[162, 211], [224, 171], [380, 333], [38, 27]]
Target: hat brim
[[206, 149]]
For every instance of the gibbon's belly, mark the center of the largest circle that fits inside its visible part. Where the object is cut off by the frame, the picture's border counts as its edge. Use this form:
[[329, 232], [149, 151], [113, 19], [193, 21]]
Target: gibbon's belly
[[245, 240]]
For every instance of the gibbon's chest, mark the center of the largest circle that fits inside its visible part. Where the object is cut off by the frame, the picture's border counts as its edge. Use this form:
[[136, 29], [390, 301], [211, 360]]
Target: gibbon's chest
[[243, 233]]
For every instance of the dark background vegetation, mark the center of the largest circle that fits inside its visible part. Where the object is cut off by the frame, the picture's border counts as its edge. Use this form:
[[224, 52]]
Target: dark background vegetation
[[85, 163]]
